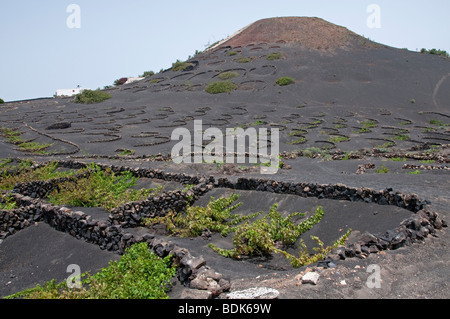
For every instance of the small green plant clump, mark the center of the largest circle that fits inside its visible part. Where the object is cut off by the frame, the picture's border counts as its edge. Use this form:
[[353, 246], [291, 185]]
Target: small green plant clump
[[369, 124], [221, 87], [1, 101], [25, 174], [92, 97], [7, 202], [398, 159], [181, 66], [436, 52], [14, 137], [299, 140], [139, 274], [147, 74], [244, 60], [274, 56], [228, 75], [102, 188], [338, 139], [436, 122], [383, 170], [401, 137], [285, 81], [313, 151]]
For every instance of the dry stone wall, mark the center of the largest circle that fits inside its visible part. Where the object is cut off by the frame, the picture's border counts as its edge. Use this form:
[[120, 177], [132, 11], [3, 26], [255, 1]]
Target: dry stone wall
[[112, 234]]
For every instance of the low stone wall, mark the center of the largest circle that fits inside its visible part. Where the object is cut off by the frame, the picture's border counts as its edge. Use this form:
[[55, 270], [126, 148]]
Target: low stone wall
[[409, 201], [112, 234], [131, 214], [102, 233], [28, 212], [413, 229]]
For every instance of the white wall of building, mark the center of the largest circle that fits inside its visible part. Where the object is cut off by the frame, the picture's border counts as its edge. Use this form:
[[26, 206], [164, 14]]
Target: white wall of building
[[69, 92], [131, 80]]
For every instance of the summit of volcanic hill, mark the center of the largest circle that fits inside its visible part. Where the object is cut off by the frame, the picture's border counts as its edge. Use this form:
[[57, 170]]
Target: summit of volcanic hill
[[309, 32]]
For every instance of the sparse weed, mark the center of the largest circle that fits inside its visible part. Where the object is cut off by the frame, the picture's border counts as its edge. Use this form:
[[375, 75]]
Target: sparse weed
[[383, 170], [102, 188], [283, 81], [274, 56]]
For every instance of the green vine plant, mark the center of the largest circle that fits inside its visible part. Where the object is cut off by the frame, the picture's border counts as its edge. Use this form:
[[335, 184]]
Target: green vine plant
[[261, 237], [264, 236], [305, 258], [216, 217]]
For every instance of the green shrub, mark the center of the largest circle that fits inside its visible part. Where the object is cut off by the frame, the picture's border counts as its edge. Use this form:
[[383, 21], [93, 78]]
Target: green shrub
[[338, 139], [436, 122], [299, 140], [401, 137], [24, 174], [91, 97], [369, 124], [147, 74], [7, 202], [1, 101], [102, 188], [274, 56], [285, 81], [221, 87], [244, 60], [181, 66], [383, 170], [252, 240], [139, 274], [228, 75], [259, 238], [436, 52], [216, 217], [312, 152], [14, 137]]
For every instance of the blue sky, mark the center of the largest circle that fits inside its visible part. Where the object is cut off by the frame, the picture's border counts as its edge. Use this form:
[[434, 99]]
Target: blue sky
[[40, 54]]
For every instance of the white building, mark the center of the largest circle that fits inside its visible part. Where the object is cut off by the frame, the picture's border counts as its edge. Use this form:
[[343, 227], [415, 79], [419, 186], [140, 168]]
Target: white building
[[131, 80], [70, 92]]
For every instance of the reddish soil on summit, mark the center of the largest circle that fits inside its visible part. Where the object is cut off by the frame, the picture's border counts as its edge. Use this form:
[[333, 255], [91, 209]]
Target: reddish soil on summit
[[313, 33]]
